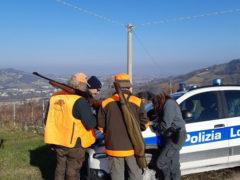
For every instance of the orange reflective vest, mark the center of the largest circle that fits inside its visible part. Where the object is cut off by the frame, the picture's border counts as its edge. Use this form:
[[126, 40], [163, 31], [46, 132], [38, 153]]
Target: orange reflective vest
[[61, 127]]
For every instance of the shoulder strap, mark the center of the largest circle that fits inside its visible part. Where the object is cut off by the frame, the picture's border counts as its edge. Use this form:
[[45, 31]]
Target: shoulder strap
[[128, 97]]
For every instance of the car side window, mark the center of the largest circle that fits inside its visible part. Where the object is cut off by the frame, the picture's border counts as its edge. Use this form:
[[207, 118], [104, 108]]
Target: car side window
[[233, 103], [203, 106]]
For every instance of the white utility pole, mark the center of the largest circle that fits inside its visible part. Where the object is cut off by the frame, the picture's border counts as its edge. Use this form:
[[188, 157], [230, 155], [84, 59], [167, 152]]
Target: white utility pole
[[129, 51]]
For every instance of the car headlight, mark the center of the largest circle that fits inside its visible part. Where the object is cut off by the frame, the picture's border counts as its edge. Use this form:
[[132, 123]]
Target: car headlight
[[98, 174], [100, 155]]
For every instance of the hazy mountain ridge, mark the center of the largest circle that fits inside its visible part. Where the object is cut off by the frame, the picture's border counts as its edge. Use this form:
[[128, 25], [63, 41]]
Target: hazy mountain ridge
[[20, 85], [16, 84], [228, 72], [12, 78]]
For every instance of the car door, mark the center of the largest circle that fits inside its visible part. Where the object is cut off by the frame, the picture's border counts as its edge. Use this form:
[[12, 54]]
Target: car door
[[206, 143], [232, 98]]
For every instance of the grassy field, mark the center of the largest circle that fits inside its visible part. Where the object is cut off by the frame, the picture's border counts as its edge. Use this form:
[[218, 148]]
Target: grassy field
[[25, 156]]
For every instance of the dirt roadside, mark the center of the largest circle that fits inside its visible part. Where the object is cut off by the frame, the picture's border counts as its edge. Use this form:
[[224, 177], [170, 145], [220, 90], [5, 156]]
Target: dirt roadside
[[223, 174]]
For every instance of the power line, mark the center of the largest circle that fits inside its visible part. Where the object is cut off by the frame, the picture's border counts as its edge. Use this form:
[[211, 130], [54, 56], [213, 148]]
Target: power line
[[190, 17], [148, 23], [90, 13], [146, 51]]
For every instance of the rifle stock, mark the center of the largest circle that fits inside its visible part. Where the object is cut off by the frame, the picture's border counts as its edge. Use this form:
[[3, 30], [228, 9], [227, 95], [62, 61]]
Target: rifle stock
[[69, 89]]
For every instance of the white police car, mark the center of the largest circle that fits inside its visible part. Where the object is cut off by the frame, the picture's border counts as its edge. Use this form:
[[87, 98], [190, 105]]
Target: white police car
[[213, 132]]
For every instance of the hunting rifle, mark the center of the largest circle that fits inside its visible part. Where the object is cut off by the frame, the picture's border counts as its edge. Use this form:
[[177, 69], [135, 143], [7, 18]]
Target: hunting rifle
[[94, 103]]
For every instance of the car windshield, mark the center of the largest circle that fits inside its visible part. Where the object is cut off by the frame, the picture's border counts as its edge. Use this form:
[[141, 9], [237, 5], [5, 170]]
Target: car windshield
[[177, 95]]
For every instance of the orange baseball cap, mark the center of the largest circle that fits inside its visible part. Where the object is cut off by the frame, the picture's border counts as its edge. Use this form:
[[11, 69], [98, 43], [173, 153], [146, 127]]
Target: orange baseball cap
[[123, 80], [122, 76]]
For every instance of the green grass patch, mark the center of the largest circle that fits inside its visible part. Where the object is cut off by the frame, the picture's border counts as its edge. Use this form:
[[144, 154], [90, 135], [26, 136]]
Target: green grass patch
[[25, 156]]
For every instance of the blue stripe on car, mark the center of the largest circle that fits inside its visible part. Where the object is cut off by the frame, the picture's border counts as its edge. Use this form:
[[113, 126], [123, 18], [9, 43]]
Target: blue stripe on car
[[202, 137]]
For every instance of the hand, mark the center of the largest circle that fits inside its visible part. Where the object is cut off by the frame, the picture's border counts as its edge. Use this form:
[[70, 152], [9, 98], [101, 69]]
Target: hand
[[151, 123], [52, 147]]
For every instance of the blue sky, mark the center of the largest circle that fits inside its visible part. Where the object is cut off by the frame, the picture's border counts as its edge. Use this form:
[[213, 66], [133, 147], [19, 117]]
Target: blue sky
[[50, 37]]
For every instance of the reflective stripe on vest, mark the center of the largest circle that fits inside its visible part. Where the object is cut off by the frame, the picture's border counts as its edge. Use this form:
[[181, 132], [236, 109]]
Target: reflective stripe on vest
[[61, 127], [120, 153]]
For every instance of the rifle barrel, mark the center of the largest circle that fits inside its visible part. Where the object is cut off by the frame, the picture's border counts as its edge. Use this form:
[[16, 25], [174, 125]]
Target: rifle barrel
[[71, 90], [37, 74], [50, 80]]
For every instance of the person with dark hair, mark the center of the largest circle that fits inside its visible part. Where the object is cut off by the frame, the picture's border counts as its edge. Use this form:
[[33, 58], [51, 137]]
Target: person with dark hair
[[94, 85], [171, 126], [69, 128], [118, 145]]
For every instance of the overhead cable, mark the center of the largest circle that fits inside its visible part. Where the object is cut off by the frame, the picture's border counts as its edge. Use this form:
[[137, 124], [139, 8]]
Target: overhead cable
[[148, 23], [145, 49], [190, 17], [89, 12]]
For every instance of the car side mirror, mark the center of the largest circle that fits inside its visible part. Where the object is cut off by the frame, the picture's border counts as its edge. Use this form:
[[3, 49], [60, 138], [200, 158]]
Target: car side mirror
[[186, 114]]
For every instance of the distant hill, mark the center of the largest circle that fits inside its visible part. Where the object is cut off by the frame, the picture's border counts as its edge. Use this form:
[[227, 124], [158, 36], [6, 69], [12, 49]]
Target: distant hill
[[15, 84], [228, 72], [12, 78], [19, 85]]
